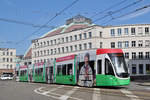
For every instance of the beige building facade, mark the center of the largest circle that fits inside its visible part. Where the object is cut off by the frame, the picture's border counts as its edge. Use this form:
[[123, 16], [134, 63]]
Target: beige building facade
[[7, 59], [80, 35]]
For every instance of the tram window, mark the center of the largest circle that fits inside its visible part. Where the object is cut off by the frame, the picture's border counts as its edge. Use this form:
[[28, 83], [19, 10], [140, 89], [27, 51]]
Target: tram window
[[59, 70], [108, 68], [21, 73], [69, 69], [36, 71], [25, 72], [63, 69], [40, 71], [99, 67]]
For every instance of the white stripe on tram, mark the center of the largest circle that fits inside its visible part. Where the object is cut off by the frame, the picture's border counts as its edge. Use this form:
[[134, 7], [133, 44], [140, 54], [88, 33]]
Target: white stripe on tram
[[96, 94], [130, 94]]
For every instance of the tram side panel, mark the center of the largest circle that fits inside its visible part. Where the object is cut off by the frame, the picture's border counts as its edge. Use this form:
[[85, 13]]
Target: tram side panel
[[23, 75], [39, 72], [65, 70]]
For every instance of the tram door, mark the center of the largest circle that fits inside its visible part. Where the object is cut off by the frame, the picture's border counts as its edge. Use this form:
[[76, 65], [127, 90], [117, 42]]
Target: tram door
[[47, 75], [51, 76]]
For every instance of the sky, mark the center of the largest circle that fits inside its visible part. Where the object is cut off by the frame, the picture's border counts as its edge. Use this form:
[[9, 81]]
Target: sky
[[19, 18]]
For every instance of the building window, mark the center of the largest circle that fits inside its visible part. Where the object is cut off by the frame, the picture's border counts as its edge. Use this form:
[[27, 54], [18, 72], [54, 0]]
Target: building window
[[101, 45], [112, 44], [140, 43], [112, 32], [44, 43], [47, 42], [51, 51], [147, 43], [147, 55], [133, 55], [10, 59], [41, 44], [3, 53], [147, 68], [126, 31], [38, 53], [119, 31], [127, 55], [70, 38], [133, 68], [126, 44], [146, 30], [10, 66], [133, 43], [85, 46], [62, 40], [132, 31], [140, 30], [75, 47], [55, 51], [7, 53], [100, 34], [58, 50], [90, 45], [140, 55], [62, 49], [41, 53], [140, 68], [55, 41], [119, 44], [11, 53], [85, 36], [90, 34], [80, 36], [71, 48], [3, 59], [66, 39], [7, 59], [67, 49], [75, 37], [80, 47], [7, 66], [48, 52], [44, 52], [34, 54], [51, 42]]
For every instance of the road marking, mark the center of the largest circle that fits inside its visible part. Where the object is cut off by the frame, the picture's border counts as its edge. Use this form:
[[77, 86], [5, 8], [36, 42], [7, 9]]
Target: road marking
[[67, 95], [96, 94], [54, 89], [130, 94], [57, 96]]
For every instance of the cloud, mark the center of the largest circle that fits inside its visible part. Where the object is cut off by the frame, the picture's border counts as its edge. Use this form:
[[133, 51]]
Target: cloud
[[133, 15]]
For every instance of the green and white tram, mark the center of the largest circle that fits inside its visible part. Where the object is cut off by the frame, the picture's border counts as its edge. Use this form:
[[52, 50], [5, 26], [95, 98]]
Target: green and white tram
[[101, 67]]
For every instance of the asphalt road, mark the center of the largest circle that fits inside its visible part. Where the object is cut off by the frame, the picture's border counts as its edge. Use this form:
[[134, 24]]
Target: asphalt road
[[11, 90]]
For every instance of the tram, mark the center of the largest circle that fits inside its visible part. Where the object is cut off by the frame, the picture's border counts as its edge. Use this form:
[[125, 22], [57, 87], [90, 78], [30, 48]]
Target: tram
[[101, 67], [23, 73]]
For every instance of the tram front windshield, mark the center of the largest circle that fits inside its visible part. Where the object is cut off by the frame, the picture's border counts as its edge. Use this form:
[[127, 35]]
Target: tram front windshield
[[119, 64]]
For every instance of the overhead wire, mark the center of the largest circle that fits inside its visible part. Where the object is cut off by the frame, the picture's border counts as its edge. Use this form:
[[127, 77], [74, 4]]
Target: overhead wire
[[113, 6], [117, 11], [129, 13], [24, 23], [57, 14]]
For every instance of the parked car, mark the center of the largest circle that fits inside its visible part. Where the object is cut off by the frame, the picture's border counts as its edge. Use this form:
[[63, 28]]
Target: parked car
[[6, 77]]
